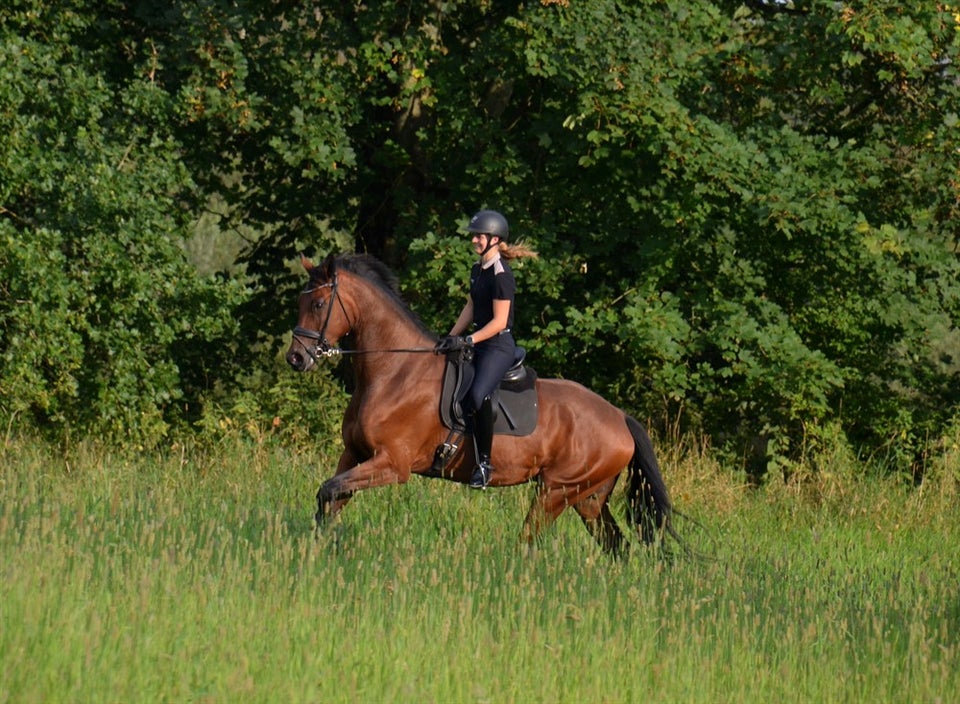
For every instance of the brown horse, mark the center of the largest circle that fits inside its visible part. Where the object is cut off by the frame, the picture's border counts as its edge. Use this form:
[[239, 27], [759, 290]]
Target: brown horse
[[392, 425]]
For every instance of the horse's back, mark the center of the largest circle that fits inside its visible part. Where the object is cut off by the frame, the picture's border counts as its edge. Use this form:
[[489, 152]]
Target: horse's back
[[574, 396], [581, 439], [568, 406]]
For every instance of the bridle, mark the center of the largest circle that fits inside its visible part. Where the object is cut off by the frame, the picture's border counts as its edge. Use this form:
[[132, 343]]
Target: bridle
[[323, 348]]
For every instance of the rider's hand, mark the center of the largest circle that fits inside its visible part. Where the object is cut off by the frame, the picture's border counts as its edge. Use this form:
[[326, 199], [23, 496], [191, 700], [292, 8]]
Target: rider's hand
[[452, 343]]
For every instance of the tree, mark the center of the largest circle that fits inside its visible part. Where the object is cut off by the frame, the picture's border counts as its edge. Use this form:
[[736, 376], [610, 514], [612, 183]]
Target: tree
[[741, 236], [104, 327]]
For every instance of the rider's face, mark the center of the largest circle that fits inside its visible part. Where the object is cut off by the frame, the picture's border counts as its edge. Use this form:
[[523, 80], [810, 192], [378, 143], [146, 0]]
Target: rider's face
[[481, 242]]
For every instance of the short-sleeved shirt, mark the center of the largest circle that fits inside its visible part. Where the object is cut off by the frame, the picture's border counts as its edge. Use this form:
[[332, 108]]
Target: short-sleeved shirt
[[489, 283]]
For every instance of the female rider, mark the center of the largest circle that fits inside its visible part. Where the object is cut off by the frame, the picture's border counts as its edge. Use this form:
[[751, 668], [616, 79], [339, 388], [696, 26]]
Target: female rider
[[490, 310]]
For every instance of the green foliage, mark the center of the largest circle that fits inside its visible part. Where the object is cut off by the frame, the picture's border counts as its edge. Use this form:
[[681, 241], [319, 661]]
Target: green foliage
[[758, 221], [272, 407], [104, 326], [746, 211]]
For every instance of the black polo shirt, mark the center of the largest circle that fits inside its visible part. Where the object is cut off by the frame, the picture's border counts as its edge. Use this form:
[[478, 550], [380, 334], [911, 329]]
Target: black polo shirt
[[494, 281]]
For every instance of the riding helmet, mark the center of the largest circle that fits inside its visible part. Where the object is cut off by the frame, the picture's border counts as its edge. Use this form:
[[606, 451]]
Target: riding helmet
[[489, 222]]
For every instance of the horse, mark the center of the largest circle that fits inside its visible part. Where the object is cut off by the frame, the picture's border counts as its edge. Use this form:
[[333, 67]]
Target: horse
[[392, 426]]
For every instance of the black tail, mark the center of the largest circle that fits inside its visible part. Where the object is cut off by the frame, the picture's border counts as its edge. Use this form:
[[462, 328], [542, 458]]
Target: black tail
[[647, 497]]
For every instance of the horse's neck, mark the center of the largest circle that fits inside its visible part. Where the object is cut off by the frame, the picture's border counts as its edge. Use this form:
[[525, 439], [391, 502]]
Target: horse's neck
[[382, 328]]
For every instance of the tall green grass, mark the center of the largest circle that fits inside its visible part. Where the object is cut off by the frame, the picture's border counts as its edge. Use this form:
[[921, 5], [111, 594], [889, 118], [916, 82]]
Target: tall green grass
[[195, 576]]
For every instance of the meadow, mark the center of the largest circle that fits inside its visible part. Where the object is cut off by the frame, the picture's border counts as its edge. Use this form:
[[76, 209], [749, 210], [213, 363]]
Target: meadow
[[194, 575]]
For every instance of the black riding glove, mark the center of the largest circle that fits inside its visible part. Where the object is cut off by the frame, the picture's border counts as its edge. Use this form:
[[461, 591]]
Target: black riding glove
[[452, 343]]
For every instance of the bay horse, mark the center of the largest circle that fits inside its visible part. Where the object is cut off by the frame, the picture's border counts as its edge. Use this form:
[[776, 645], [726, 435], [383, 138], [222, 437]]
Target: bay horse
[[392, 424]]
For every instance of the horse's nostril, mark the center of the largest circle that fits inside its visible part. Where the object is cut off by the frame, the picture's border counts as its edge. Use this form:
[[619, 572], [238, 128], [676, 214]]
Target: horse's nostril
[[295, 360]]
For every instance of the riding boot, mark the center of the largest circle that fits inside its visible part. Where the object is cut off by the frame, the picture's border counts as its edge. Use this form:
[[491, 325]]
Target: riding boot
[[482, 443]]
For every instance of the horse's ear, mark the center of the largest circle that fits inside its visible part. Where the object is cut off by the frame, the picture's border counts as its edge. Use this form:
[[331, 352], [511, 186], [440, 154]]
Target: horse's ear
[[307, 264], [329, 267]]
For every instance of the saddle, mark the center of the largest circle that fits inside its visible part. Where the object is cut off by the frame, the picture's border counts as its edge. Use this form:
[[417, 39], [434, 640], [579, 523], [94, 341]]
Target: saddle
[[515, 402]]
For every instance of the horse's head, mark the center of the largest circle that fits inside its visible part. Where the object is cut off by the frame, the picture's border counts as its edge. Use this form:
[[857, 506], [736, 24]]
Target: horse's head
[[323, 318]]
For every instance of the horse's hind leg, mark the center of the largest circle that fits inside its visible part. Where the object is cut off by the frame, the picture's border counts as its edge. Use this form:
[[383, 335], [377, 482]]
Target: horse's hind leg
[[589, 502], [595, 512], [547, 505]]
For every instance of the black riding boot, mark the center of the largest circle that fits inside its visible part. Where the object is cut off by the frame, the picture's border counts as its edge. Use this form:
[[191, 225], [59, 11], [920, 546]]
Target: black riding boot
[[482, 442]]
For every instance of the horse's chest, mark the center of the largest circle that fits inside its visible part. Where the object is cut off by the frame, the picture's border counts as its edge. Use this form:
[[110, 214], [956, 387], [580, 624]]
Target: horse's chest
[[376, 419]]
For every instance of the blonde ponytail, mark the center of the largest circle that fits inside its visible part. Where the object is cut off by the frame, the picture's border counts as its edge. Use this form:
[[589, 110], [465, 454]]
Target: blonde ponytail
[[516, 251]]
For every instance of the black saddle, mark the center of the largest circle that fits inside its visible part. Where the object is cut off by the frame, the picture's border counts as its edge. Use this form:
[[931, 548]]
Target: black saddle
[[515, 403]]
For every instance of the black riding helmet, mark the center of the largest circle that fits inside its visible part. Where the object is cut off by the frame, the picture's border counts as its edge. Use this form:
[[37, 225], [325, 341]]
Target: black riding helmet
[[489, 222]]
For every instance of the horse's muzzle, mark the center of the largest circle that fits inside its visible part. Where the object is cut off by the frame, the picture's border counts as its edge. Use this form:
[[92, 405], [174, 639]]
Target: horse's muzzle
[[299, 361], [302, 356]]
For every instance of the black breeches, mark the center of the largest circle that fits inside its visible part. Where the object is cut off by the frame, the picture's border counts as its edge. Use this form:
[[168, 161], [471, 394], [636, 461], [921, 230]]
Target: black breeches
[[490, 363]]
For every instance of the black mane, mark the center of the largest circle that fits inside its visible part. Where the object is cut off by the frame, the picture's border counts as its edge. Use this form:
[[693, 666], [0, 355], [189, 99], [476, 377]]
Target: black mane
[[371, 269]]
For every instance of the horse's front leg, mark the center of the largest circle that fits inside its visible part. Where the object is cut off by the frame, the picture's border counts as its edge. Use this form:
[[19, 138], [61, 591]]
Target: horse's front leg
[[334, 493], [328, 509]]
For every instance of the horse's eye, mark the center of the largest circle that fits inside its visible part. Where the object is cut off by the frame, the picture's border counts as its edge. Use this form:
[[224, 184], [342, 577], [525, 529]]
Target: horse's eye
[[317, 305]]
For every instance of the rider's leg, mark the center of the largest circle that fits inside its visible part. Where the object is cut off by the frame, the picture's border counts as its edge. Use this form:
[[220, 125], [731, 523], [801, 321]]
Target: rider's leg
[[482, 443], [491, 362]]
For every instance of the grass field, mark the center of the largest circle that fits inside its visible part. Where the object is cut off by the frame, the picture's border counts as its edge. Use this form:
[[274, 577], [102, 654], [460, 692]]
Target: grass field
[[195, 576]]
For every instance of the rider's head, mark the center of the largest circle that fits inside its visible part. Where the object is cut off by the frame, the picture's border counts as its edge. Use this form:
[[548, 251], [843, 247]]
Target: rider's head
[[490, 228]]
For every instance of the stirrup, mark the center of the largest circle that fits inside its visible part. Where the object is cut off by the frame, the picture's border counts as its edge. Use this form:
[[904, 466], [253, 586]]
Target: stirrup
[[446, 452], [481, 476]]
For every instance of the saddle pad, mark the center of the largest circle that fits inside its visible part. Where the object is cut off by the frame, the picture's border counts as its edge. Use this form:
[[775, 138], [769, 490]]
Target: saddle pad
[[517, 403]]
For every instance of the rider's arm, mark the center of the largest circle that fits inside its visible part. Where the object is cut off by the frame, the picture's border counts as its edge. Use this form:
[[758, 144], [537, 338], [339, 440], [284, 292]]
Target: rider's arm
[[501, 314], [465, 319]]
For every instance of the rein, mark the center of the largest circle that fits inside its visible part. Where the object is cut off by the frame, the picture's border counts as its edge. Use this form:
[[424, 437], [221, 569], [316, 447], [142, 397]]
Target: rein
[[325, 350], [336, 351]]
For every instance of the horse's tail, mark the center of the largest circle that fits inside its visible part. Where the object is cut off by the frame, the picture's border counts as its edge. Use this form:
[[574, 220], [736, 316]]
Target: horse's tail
[[647, 497]]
